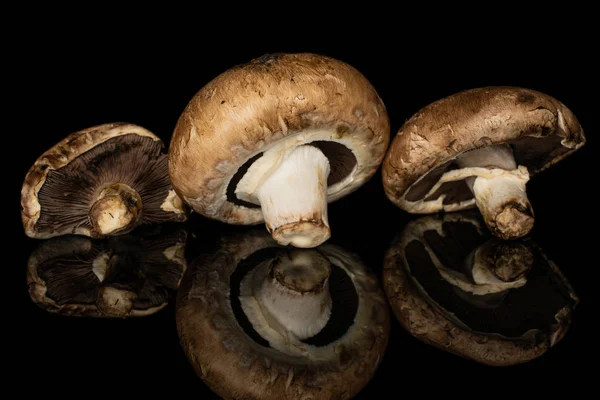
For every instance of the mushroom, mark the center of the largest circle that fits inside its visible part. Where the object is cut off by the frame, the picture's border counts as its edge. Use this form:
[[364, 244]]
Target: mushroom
[[479, 148], [496, 302], [125, 276], [98, 182], [258, 321], [275, 140]]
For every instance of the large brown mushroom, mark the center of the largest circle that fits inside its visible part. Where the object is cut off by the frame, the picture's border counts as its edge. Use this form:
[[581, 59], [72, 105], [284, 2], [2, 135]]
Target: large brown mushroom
[[125, 276], [98, 182], [274, 140], [479, 148], [259, 321], [453, 286]]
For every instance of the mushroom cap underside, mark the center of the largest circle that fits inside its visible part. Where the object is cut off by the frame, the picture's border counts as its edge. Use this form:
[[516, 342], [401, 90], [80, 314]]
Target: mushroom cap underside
[[503, 328], [237, 365], [540, 130], [282, 101], [64, 182], [78, 276]]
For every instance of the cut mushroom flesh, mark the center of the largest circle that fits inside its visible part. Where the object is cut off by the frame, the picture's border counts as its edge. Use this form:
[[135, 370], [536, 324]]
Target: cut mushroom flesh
[[477, 308]]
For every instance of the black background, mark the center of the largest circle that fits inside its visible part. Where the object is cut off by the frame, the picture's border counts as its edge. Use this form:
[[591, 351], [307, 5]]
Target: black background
[[80, 74]]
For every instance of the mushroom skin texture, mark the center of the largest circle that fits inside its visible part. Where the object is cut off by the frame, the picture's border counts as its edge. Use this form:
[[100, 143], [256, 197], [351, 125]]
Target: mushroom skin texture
[[98, 182], [235, 366], [496, 268], [479, 148], [121, 277], [242, 132]]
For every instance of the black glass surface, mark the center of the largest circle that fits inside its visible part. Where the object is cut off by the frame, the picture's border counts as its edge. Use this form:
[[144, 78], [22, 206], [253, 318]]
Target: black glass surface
[[148, 81]]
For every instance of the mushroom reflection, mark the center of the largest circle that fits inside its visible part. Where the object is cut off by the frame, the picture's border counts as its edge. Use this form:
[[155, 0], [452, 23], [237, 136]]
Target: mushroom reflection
[[261, 321], [454, 286], [126, 276]]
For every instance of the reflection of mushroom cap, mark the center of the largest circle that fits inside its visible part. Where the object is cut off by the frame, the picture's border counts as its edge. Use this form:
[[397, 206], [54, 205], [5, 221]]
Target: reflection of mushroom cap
[[236, 366], [285, 99], [428, 320], [126, 276], [64, 182], [540, 130]]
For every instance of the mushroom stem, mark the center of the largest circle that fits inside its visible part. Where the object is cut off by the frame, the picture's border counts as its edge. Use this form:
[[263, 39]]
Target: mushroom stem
[[114, 302], [293, 293], [294, 199], [497, 266], [501, 198], [116, 210], [498, 261]]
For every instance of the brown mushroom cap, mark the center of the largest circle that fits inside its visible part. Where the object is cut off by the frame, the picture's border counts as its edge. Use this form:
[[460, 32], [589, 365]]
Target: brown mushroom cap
[[63, 184], [235, 365], [128, 276], [540, 130], [301, 98], [438, 313]]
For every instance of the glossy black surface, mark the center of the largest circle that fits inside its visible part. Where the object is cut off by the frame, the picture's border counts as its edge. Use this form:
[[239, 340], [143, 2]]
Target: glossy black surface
[[79, 79]]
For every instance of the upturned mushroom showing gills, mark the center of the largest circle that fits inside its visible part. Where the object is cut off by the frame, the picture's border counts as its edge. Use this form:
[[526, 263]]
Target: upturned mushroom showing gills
[[454, 286], [125, 276], [98, 182], [275, 140], [479, 148], [260, 321]]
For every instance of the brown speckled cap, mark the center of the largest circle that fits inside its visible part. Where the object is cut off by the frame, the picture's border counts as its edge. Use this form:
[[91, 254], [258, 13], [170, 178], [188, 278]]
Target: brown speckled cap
[[436, 291], [236, 362], [539, 129], [279, 99], [61, 188]]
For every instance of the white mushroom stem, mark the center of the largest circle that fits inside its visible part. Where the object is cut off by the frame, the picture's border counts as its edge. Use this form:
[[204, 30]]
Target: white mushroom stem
[[293, 198], [500, 196], [117, 209], [288, 300]]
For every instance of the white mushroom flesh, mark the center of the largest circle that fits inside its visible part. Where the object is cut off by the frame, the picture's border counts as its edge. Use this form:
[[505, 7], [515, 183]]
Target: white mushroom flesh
[[292, 194]]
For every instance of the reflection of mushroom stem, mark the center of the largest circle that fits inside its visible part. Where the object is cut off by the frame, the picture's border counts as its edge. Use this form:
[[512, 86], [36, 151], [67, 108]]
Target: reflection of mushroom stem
[[500, 263], [294, 296], [294, 199], [117, 208], [501, 197]]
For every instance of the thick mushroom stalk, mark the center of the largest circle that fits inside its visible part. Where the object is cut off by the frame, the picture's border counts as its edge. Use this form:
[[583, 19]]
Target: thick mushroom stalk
[[500, 194], [289, 297], [293, 198], [117, 209]]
